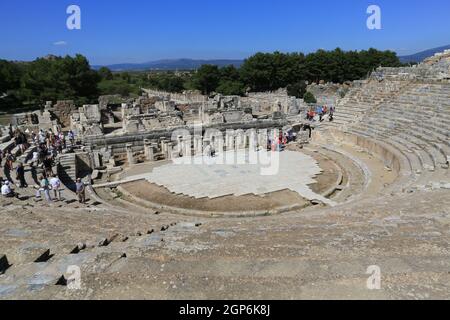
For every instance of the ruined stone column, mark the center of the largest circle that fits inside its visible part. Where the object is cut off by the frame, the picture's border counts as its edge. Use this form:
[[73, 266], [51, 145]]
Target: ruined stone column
[[130, 156], [169, 154], [230, 145], [205, 143], [227, 141], [219, 145], [164, 146], [148, 150], [237, 141], [187, 147], [262, 140], [198, 145], [240, 140], [253, 141]]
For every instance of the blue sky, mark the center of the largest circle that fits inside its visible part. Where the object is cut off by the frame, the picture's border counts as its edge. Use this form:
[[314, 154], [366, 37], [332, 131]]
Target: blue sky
[[115, 31]]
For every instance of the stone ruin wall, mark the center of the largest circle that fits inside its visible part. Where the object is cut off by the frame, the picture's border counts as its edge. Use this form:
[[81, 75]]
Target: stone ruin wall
[[329, 93], [108, 147], [63, 110], [264, 103], [104, 101], [185, 97]]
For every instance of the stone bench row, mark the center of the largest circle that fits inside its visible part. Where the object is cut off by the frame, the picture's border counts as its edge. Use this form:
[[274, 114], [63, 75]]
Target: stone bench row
[[398, 112], [395, 112], [413, 160], [426, 135], [420, 101], [430, 155]]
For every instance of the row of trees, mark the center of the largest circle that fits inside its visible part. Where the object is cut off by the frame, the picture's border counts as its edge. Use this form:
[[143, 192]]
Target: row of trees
[[50, 78], [58, 78], [271, 71], [61, 78]]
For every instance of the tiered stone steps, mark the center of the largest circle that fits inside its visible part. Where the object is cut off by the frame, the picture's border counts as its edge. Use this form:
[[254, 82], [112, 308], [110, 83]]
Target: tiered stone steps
[[414, 118], [66, 169]]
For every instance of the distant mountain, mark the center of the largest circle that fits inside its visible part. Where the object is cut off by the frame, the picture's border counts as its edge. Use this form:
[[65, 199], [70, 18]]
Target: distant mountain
[[419, 57], [168, 65]]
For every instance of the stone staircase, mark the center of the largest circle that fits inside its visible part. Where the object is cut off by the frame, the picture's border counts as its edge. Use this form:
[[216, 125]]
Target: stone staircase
[[66, 170]]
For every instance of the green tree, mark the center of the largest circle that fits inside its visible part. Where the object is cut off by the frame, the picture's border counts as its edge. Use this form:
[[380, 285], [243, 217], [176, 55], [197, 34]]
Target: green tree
[[297, 89], [105, 73], [118, 86], [57, 78], [207, 78], [229, 73], [166, 81], [231, 88], [309, 98], [125, 76], [271, 71], [230, 83], [258, 71], [10, 74]]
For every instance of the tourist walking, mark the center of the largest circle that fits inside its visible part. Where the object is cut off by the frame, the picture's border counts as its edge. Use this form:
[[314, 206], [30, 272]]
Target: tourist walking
[[331, 117], [48, 162], [55, 183], [71, 137], [20, 175], [45, 187], [319, 111], [9, 161], [81, 191]]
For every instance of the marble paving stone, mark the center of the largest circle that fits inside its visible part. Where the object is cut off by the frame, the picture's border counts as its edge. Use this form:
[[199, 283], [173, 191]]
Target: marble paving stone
[[295, 171]]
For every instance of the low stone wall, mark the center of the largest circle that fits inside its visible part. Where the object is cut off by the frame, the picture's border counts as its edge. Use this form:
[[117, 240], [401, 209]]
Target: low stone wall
[[391, 157], [186, 97], [394, 159], [118, 143]]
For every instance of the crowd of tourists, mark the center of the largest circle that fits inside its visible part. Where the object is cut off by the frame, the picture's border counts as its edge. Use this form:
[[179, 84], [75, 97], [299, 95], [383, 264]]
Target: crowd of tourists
[[320, 111], [47, 145], [278, 142]]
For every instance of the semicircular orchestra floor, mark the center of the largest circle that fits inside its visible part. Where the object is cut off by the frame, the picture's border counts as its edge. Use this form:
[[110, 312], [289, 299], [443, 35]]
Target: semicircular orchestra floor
[[223, 187]]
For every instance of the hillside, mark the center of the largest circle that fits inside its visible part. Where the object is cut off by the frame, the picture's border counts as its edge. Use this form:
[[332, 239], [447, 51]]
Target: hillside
[[420, 56], [175, 64]]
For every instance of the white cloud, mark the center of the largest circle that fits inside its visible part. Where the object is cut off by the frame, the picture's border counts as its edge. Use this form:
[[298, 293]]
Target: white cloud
[[60, 43]]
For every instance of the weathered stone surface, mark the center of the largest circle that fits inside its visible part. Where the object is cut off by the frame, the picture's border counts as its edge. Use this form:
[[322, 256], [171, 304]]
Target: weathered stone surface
[[388, 138]]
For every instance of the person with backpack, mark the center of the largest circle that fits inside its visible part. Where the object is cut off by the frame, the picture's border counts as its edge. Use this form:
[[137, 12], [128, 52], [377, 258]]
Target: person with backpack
[[20, 175], [45, 187]]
